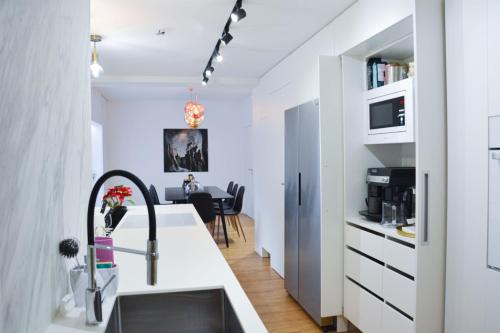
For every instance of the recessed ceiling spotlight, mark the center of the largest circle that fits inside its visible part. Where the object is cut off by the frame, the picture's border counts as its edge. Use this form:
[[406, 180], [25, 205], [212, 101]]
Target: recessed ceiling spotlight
[[209, 70], [226, 38]]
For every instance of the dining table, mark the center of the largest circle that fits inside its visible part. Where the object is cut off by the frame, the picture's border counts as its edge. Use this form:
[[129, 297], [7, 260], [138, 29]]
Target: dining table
[[178, 195]]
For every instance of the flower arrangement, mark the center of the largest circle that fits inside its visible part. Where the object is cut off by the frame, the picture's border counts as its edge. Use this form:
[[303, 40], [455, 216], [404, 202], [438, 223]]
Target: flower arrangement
[[115, 196]]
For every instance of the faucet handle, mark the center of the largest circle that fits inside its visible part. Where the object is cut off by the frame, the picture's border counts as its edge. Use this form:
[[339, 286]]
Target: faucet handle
[[93, 298]]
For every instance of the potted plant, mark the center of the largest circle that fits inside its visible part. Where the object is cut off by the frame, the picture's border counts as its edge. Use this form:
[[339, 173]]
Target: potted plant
[[114, 198]]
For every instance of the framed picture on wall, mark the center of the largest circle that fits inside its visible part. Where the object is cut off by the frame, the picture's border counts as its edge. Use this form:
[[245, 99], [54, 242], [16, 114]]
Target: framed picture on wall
[[185, 150]]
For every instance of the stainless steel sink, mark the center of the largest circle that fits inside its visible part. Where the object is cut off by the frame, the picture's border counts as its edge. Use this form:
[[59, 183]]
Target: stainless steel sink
[[190, 311]]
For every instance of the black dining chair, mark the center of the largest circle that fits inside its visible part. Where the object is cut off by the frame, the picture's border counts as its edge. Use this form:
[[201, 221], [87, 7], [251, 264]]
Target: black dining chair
[[154, 195], [228, 203], [202, 202], [230, 187], [233, 213]]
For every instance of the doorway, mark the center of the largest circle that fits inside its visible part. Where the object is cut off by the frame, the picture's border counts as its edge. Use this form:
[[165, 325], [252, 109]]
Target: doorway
[[97, 157]]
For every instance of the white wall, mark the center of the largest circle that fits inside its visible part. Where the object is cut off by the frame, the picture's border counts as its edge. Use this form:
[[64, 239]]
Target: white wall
[[472, 290], [294, 81], [99, 107], [134, 142], [45, 153]]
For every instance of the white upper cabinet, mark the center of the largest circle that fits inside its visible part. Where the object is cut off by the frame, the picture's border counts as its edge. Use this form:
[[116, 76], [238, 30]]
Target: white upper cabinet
[[493, 57]]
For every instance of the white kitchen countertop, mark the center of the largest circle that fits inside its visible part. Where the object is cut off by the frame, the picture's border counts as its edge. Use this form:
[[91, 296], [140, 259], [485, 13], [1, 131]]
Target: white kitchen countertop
[[189, 260]]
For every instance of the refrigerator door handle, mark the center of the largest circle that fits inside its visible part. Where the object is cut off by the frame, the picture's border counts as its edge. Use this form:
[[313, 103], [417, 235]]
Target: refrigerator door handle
[[300, 189]]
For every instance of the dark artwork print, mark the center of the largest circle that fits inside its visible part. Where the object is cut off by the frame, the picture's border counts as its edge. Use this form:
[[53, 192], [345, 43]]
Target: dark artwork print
[[185, 150]]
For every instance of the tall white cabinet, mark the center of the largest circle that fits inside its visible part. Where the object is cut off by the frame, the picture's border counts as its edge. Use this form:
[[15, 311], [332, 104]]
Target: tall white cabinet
[[473, 83], [394, 283]]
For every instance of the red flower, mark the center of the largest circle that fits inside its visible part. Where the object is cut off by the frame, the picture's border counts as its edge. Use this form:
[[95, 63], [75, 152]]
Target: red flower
[[116, 195]]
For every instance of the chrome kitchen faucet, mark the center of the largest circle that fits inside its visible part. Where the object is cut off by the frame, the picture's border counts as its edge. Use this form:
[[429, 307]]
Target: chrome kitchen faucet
[[93, 294]]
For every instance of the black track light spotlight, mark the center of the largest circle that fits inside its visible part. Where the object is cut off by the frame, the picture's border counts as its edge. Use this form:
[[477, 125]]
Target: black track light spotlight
[[204, 82], [218, 56], [209, 70], [238, 14], [226, 38]]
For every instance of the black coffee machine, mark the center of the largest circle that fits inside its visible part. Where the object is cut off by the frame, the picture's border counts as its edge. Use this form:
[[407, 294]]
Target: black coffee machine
[[389, 185]]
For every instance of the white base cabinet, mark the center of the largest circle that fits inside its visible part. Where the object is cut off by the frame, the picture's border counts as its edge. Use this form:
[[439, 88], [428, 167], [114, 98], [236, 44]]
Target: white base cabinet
[[379, 293]]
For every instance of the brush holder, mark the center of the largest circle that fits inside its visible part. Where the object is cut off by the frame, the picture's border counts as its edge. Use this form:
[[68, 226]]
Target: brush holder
[[79, 282], [106, 274]]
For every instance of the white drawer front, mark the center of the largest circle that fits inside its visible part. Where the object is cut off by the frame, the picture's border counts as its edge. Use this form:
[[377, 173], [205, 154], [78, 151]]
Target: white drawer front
[[395, 322], [399, 291], [399, 256], [364, 271], [362, 309], [365, 242]]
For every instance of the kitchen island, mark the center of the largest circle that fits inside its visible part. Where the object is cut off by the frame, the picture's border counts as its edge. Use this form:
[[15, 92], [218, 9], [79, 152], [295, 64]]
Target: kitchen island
[[189, 260]]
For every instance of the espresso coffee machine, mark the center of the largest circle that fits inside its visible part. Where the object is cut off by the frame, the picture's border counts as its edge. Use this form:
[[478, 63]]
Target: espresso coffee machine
[[394, 185]]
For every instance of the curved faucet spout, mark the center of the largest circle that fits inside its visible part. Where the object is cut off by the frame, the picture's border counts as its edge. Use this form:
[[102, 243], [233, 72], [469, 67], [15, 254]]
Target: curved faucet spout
[[142, 188], [93, 296]]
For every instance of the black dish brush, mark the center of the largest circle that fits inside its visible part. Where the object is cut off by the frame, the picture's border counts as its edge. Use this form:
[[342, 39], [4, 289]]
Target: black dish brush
[[69, 247]]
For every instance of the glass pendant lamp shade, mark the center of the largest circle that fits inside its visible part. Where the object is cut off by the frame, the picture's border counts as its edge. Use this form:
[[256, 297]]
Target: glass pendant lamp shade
[[194, 113], [95, 68]]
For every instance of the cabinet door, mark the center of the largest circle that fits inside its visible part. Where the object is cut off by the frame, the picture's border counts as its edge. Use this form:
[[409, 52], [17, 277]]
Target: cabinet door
[[291, 201], [309, 210], [430, 103], [493, 57], [494, 210]]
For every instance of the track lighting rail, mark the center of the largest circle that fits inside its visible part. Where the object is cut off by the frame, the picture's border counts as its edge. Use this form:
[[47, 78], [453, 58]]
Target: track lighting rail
[[237, 14]]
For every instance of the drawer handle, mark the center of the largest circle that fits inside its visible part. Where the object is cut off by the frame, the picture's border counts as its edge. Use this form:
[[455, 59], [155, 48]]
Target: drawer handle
[[425, 234]]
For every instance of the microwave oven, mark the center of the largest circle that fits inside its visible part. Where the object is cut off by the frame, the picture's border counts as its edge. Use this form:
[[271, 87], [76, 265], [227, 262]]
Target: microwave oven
[[389, 113]]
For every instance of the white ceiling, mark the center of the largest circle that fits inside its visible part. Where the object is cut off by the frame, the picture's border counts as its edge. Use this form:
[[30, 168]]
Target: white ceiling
[[153, 92], [271, 30]]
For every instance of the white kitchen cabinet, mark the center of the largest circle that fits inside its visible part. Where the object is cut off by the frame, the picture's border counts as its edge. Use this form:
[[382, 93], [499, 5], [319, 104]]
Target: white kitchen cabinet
[[493, 256], [362, 308], [378, 283], [494, 211], [365, 271], [493, 71], [473, 73], [394, 321], [413, 270]]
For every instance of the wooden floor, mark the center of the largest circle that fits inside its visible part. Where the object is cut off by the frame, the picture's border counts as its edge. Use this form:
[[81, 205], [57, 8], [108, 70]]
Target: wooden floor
[[264, 287]]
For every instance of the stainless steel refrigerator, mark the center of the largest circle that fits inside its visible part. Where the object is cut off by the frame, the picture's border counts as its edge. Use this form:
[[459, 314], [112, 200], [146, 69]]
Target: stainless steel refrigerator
[[302, 207]]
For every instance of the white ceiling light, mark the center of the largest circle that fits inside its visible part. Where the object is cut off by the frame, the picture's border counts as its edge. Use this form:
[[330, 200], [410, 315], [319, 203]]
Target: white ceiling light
[[238, 12], [219, 57], [95, 68], [209, 70]]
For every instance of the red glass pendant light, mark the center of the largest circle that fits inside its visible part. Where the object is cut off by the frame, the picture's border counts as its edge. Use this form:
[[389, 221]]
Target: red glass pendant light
[[194, 113]]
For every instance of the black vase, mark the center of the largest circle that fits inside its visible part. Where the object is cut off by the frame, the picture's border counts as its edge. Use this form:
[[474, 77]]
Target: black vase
[[114, 216]]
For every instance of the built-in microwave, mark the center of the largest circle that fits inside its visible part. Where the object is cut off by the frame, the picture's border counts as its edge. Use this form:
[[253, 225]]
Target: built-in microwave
[[389, 113]]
